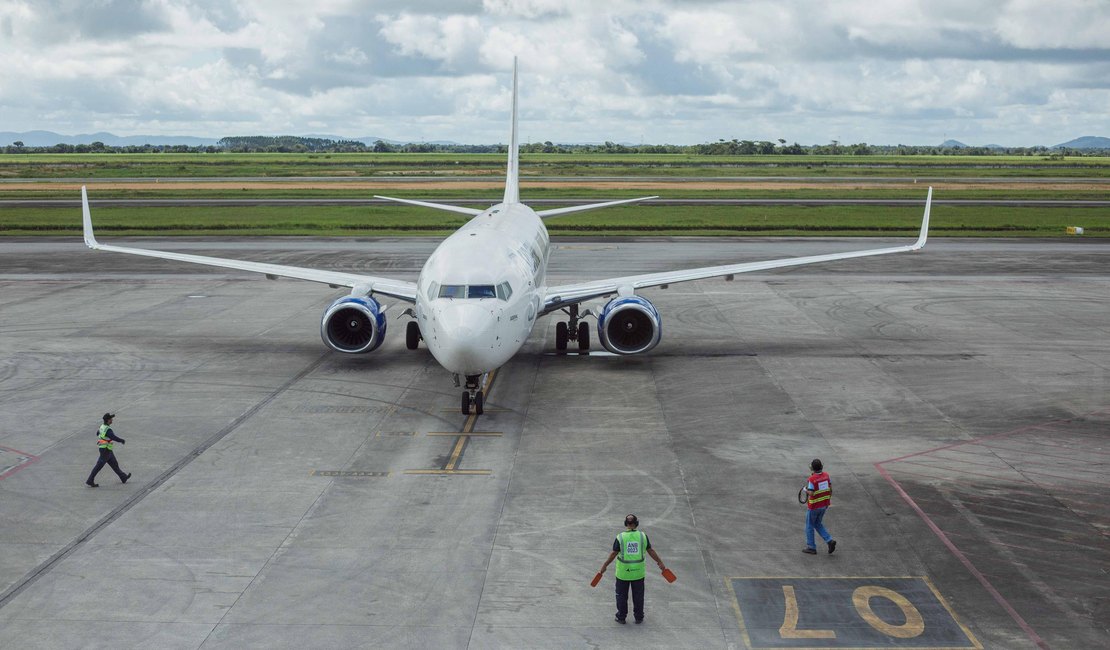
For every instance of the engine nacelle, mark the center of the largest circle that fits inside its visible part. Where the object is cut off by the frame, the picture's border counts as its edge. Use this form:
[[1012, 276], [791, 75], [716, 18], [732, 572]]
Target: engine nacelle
[[353, 325], [629, 325]]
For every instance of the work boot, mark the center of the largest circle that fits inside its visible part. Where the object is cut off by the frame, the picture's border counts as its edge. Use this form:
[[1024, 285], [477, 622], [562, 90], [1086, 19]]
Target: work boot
[[618, 619], [832, 546], [124, 480], [91, 484], [809, 551]]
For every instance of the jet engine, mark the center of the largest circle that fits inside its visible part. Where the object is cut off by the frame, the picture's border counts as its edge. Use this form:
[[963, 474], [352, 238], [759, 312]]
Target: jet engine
[[629, 325], [353, 325]]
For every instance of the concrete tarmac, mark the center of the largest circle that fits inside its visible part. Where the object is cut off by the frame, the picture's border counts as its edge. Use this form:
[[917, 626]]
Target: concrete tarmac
[[285, 496]]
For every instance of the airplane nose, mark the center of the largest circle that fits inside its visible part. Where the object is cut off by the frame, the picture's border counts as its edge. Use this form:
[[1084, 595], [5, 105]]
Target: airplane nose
[[464, 331]]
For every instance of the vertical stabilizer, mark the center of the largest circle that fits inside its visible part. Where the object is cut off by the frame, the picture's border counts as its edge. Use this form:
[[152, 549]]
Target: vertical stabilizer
[[512, 176]]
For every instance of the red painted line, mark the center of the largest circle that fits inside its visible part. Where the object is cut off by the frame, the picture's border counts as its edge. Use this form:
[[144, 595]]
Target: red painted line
[[1081, 455], [1033, 636], [1032, 549], [976, 441], [1039, 443], [1020, 472], [31, 460], [1052, 492]]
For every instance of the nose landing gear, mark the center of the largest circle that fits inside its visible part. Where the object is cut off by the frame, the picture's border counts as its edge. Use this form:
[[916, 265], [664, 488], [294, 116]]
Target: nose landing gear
[[473, 394]]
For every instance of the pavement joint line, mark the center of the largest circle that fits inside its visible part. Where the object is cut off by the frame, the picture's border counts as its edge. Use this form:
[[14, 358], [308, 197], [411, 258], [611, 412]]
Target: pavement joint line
[[462, 438], [47, 565]]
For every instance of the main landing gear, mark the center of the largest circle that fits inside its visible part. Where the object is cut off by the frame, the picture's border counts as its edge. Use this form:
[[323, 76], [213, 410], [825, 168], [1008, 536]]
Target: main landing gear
[[576, 329], [473, 395]]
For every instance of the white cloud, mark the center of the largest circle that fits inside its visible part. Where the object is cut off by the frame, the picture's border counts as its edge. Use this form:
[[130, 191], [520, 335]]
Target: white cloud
[[1012, 72], [442, 39]]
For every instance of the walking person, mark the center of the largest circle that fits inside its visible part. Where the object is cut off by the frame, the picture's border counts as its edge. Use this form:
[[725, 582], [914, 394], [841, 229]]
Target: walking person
[[628, 549], [104, 439], [818, 499]]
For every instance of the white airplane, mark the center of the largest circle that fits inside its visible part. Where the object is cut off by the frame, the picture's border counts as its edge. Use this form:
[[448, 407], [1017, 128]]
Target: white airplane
[[480, 293]]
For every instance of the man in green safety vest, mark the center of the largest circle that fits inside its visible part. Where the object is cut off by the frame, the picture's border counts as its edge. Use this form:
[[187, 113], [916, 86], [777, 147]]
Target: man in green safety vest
[[628, 549], [104, 439]]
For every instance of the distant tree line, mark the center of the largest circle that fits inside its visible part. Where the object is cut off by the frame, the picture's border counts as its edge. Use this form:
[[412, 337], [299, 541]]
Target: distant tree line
[[734, 147]]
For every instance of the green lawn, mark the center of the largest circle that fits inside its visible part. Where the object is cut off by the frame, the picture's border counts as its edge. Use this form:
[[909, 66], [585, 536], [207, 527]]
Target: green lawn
[[211, 165], [961, 221]]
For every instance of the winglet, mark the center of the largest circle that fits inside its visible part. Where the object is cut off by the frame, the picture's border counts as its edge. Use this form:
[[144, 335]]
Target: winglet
[[920, 243], [90, 239], [512, 176]]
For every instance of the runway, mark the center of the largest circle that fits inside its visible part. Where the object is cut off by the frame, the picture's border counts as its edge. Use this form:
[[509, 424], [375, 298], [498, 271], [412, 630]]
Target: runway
[[287, 496]]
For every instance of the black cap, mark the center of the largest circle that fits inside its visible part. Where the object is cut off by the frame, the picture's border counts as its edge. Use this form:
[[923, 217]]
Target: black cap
[[815, 464], [109, 416]]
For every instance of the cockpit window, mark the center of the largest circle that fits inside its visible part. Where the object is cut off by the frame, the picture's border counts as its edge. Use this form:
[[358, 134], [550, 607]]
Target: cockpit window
[[501, 291], [481, 291], [452, 291]]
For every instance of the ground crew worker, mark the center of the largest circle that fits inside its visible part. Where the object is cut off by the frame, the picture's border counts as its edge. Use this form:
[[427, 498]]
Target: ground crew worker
[[818, 500], [628, 549], [104, 439]]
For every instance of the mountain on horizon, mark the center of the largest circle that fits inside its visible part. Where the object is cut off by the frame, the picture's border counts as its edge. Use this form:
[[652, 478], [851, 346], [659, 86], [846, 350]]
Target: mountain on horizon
[[1085, 142], [50, 138]]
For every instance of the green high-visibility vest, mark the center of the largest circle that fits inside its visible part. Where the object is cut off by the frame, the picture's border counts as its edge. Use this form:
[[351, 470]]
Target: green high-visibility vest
[[102, 439], [630, 560]]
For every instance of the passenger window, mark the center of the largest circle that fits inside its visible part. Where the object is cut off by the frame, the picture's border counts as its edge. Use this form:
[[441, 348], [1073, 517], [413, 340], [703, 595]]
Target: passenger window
[[481, 291], [452, 291]]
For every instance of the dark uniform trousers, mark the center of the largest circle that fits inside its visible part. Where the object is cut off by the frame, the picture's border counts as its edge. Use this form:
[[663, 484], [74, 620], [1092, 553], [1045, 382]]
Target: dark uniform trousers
[[637, 587], [107, 457]]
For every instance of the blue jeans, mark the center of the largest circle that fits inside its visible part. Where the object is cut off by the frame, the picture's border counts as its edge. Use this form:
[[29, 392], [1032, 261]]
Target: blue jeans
[[813, 522]]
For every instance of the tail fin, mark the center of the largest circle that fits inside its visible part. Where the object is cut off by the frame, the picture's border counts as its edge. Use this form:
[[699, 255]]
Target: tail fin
[[512, 176]]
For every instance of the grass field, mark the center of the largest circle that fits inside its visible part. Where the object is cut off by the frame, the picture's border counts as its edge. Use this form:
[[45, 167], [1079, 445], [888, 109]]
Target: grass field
[[657, 220], [691, 177], [679, 165]]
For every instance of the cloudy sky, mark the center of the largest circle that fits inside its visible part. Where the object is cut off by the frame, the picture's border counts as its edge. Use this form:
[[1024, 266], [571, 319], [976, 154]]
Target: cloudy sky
[[1016, 72]]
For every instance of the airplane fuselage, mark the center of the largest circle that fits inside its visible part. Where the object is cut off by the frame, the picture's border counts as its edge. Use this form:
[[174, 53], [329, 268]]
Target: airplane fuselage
[[480, 293]]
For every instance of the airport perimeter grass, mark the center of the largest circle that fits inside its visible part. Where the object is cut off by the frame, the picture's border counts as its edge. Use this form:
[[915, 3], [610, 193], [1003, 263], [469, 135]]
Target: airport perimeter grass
[[212, 165], [1076, 192], [963, 221]]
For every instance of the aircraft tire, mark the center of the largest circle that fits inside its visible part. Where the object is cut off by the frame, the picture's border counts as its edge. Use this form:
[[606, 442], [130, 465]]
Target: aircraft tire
[[583, 336], [560, 336]]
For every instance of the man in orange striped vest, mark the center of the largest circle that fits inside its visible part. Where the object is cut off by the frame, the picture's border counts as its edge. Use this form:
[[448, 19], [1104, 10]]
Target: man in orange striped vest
[[818, 500]]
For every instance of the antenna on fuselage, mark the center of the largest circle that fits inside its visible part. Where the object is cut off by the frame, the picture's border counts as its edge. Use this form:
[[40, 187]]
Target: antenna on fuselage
[[512, 176]]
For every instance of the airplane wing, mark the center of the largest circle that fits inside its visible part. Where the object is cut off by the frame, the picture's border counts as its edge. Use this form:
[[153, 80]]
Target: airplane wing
[[560, 296], [544, 214], [435, 206], [399, 289]]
